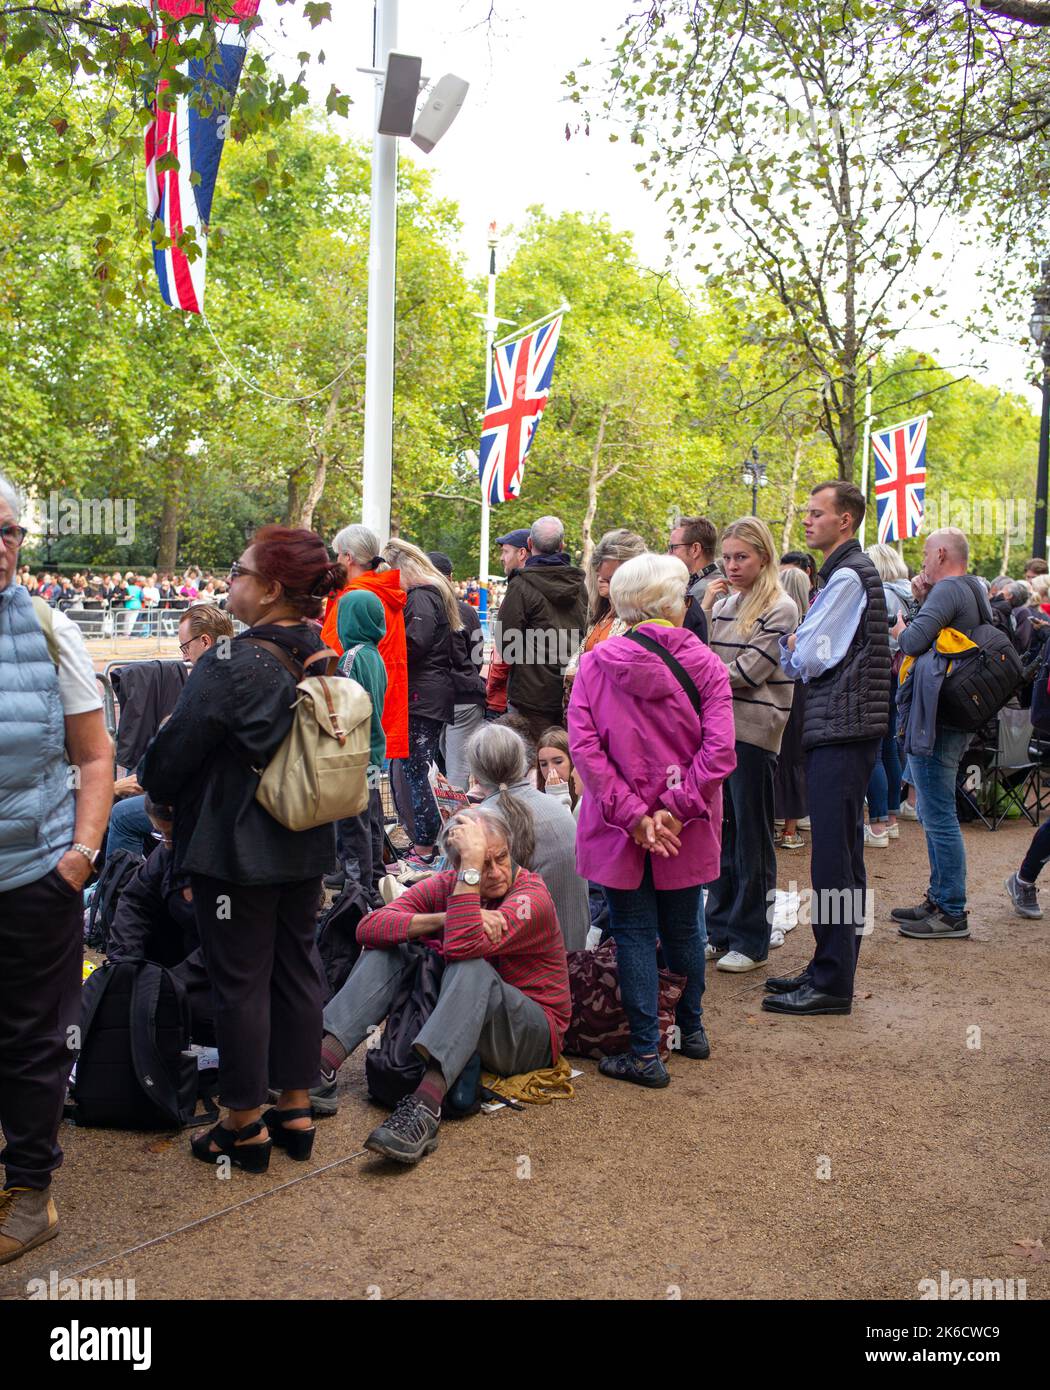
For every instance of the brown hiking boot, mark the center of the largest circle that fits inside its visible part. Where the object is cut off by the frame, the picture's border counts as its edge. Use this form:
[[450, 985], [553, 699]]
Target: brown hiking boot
[[27, 1218]]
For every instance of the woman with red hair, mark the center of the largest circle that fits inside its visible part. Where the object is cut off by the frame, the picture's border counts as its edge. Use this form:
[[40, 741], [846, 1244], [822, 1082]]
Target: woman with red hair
[[256, 885]]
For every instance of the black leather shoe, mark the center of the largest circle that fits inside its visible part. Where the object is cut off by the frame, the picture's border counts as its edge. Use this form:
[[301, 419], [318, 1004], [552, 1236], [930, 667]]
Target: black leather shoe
[[696, 1045], [807, 1000], [785, 984]]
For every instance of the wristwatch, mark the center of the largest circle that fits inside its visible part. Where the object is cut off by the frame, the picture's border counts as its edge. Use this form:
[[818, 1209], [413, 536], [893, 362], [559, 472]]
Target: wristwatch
[[91, 855], [471, 876]]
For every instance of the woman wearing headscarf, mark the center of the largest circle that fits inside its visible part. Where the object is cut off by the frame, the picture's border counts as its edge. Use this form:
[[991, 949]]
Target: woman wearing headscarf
[[359, 839]]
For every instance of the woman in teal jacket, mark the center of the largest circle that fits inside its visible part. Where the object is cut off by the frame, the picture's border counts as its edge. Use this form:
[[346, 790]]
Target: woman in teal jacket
[[359, 839]]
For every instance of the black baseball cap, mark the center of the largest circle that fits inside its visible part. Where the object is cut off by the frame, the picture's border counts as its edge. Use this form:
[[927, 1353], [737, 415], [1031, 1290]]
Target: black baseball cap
[[519, 539], [441, 562]]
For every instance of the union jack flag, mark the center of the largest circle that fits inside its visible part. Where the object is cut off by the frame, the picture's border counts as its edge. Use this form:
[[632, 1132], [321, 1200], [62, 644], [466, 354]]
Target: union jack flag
[[900, 478], [178, 198], [518, 393]]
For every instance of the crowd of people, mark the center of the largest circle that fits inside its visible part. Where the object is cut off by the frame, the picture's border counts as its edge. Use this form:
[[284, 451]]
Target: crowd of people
[[645, 734]]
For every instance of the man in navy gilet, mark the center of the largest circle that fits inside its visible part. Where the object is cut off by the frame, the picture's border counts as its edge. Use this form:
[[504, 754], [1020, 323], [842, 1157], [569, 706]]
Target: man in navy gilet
[[56, 788], [841, 652]]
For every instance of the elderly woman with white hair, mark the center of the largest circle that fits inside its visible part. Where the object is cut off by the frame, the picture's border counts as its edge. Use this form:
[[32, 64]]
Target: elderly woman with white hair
[[652, 737], [543, 831]]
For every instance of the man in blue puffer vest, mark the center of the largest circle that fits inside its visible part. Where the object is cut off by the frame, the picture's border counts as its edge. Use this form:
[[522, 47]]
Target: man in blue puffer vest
[[56, 789]]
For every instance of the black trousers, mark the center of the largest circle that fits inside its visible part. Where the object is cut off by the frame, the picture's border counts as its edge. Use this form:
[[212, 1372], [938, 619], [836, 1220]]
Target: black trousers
[[837, 777], [265, 974], [359, 844], [41, 957], [739, 909]]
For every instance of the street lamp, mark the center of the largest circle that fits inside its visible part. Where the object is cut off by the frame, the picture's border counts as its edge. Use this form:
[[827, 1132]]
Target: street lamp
[[1039, 328], [754, 477]]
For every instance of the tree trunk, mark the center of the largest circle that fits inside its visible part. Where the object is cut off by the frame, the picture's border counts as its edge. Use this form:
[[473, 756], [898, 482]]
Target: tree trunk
[[1006, 551], [168, 541], [592, 488], [790, 508], [312, 496]]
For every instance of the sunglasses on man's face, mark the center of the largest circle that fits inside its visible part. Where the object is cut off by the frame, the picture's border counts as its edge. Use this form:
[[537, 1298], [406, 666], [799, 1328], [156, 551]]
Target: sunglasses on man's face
[[13, 535]]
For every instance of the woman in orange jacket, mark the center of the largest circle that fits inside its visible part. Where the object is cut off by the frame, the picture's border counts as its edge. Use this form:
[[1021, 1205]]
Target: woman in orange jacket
[[358, 549]]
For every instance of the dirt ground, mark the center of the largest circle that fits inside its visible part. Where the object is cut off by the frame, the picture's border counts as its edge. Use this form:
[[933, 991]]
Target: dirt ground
[[822, 1158]]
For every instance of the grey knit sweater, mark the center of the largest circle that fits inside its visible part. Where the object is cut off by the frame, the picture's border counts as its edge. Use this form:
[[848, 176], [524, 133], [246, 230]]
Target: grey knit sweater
[[762, 694], [555, 859]]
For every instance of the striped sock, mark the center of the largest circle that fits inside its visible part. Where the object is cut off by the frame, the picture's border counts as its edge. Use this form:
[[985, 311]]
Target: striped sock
[[431, 1090], [333, 1054]]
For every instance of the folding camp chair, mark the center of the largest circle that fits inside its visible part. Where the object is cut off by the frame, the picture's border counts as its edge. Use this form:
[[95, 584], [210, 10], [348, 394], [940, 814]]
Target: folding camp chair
[[1008, 781]]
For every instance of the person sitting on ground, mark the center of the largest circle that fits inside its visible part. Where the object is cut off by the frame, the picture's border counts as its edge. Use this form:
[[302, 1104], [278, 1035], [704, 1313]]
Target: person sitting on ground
[[504, 991], [154, 919], [543, 832], [359, 839], [554, 771]]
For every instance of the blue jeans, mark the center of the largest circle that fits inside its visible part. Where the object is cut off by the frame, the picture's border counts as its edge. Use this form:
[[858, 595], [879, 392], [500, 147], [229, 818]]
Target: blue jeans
[[884, 788], [129, 826], [934, 780], [638, 919]]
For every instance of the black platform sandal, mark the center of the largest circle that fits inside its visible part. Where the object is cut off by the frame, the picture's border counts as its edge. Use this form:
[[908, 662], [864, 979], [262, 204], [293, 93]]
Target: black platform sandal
[[253, 1158], [297, 1143]]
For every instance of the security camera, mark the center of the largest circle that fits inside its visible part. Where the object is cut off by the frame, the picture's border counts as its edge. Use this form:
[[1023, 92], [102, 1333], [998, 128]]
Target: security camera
[[441, 110]]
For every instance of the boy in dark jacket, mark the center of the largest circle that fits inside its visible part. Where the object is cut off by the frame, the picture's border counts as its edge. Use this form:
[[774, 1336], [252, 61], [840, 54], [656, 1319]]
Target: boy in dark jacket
[[359, 839]]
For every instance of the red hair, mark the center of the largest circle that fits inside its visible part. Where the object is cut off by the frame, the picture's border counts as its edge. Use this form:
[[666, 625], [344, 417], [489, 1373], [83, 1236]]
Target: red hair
[[298, 560]]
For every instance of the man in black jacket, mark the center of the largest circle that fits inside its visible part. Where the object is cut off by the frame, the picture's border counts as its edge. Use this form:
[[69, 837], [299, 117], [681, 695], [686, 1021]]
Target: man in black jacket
[[541, 623]]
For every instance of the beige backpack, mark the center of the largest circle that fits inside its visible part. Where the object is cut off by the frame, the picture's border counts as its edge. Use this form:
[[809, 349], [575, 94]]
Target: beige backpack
[[320, 772]]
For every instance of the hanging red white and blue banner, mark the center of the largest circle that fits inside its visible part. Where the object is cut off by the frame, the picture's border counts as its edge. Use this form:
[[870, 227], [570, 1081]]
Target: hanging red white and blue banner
[[184, 147], [900, 478], [518, 393]]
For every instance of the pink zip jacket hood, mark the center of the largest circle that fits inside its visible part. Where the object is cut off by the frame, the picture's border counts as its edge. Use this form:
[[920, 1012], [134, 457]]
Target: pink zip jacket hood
[[638, 745]]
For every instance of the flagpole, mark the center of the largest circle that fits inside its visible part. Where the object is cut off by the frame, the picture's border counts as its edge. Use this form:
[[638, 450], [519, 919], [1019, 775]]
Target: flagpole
[[536, 323], [491, 324], [867, 447]]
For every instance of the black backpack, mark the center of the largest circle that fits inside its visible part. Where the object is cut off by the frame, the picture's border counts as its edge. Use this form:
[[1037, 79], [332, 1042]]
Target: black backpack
[[337, 941], [979, 683], [394, 1068], [119, 869], [134, 1068]]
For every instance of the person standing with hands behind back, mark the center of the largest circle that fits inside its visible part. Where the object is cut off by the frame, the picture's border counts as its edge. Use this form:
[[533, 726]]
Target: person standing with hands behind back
[[748, 613]]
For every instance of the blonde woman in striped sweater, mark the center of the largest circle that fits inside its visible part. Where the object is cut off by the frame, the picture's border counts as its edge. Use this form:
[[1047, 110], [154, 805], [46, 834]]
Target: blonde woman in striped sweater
[[747, 613]]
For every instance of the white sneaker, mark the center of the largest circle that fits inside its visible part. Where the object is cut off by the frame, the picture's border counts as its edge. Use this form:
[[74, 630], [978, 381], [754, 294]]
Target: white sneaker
[[907, 812], [709, 952], [738, 963], [893, 831], [875, 841], [804, 824]]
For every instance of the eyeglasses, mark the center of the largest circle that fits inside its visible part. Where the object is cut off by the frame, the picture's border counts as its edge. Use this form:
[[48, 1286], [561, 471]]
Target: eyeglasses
[[13, 535], [185, 646], [677, 545], [237, 569]]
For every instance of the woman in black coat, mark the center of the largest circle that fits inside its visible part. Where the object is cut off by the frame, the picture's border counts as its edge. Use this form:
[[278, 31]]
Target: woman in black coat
[[256, 885], [431, 617]]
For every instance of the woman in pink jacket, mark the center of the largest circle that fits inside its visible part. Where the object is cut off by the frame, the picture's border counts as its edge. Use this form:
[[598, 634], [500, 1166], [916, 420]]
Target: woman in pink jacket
[[652, 737]]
